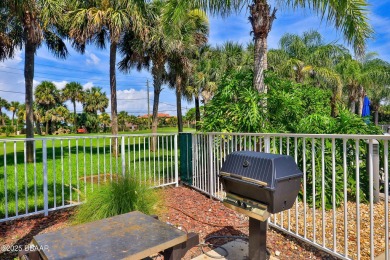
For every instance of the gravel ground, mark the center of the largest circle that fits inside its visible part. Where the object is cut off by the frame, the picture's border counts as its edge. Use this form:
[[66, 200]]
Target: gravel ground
[[185, 208]]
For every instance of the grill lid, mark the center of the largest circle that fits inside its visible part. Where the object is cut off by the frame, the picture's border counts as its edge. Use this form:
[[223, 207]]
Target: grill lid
[[263, 169]]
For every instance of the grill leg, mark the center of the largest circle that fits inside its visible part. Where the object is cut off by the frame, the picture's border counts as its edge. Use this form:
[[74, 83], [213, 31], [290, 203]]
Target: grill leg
[[257, 239]]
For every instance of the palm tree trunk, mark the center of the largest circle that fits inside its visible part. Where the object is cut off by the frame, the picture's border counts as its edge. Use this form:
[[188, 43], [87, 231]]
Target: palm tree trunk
[[261, 19], [178, 104], [360, 99], [197, 113], [2, 118], [114, 112], [28, 78], [75, 117], [376, 116], [157, 71], [13, 117], [47, 127]]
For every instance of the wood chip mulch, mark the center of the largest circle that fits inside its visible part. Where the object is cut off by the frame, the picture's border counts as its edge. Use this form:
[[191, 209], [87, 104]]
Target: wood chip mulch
[[185, 208]]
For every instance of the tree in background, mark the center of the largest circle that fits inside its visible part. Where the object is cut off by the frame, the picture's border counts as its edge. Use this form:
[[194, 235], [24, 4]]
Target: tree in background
[[14, 107], [73, 91], [100, 21], [3, 105], [47, 97], [94, 100], [123, 117], [105, 120], [189, 31], [307, 59], [28, 23], [350, 16]]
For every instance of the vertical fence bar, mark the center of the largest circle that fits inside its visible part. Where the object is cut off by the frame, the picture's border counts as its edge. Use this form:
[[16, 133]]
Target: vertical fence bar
[[16, 181], [54, 173], [110, 156], [104, 159], [123, 156], [45, 192], [323, 190], [35, 176], [5, 180], [77, 170], [386, 166], [85, 169], [70, 171], [296, 201], [371, 185], [91, 154], [25, 175], [345, 198], [144, 159], [210, 141], [334, 192], [313, 158], [304, 188], [176, 163], [357, 177], [98, 160]]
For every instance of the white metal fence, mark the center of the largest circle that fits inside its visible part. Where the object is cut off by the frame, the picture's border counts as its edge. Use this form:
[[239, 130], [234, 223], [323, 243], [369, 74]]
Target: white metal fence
[[65, 169], [336, 210]]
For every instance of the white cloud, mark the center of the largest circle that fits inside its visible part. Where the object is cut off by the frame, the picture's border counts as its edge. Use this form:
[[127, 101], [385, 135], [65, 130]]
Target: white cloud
[[88, 85], [92, 59], [60, 84]]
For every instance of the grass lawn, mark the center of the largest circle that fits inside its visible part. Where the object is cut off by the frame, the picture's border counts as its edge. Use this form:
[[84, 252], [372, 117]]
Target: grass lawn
[[76, 167]]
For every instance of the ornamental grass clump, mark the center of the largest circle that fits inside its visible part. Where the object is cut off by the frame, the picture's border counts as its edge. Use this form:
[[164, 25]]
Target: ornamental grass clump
[[111, 199]]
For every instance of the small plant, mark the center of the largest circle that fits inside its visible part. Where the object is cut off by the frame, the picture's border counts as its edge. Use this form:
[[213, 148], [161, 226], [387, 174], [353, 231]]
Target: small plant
[[111, 199]]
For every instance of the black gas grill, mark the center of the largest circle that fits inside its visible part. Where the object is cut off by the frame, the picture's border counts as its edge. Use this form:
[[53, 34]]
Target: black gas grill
[[259, 184]]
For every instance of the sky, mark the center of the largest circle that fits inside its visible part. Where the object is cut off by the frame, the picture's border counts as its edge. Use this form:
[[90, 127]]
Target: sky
[[92, 68]]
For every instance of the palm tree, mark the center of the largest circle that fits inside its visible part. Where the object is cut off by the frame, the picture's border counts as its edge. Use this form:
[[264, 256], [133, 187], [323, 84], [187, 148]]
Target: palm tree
[[105, 120], [307, 59], [95, 100], [47, 97], [122, 119], [28, 23], [187, 35], [350, 16], [3, 104], [14, 107], [153, 52], [73, 91], [101, 20]]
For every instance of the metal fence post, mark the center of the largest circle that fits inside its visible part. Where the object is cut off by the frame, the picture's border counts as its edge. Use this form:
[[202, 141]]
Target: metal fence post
[[176, 163], [45, 193], [211, 166], [123, 156], [267, 143], [375, 167]]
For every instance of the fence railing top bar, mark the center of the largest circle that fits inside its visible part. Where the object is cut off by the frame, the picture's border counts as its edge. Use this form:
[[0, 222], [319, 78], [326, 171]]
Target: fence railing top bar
[[82, 137], [331, 136]]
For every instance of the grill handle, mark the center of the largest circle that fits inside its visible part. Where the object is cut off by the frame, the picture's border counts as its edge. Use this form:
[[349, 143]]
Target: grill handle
[[226, 174]]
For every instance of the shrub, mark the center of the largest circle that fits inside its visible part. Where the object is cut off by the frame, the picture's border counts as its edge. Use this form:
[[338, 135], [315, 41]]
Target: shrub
[[294, 108], [111, 199]]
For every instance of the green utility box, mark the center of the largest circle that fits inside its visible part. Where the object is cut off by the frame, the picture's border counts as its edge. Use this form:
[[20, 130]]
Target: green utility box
[[185, 144]]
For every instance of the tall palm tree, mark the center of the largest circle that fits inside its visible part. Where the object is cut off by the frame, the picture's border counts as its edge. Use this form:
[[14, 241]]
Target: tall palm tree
[[73, 91], [100, 20], [152, 52], [187, 35], [28, 23], [14, 107], [3, 105], [47, 97], [349, 16]]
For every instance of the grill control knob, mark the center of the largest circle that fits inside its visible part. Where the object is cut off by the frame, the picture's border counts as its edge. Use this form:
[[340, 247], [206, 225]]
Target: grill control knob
[[243, 205]]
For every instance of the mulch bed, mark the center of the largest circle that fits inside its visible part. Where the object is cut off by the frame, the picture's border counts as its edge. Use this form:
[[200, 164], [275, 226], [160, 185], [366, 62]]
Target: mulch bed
[[187, 209]]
